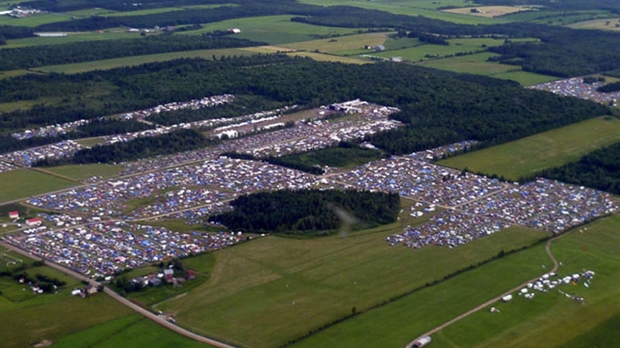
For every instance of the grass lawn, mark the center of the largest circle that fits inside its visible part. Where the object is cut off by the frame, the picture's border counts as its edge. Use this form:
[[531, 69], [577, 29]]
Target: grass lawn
[[129, 331], [86, 171], [274, 30], [268, 291], [137, 60], [552, 320], [397, 323], [112, 34], [320, 57], [602, 24], [426, 8], [23, 183], [341, 44], [52, 316], [526, 78], [527, 156], [471, 64], [36, 20]]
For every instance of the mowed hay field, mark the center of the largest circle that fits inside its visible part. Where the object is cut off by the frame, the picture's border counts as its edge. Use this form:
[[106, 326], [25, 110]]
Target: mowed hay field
[[23, 183], [401, 321], [271, 290], [553, 320], [274, 30], [527, 156]]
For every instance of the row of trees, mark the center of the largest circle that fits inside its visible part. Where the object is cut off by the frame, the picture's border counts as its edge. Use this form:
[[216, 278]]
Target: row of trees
[[35, 56], [298, 212], [610, 87]]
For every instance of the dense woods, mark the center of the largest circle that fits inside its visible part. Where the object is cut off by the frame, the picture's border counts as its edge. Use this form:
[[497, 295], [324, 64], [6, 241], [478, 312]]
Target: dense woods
[[610, 87], [599, 169], [437, 107], [178, 141], [35, 56], [9, 32], [297, 212]]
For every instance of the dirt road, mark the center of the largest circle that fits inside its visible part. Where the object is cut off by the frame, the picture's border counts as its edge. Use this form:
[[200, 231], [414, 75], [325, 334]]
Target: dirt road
[[493, 300]]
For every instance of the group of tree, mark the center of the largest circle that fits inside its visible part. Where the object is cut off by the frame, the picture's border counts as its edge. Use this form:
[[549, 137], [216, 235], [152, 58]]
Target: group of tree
[[437, 107], [177, 141], [599, 169], [10, 32], [610, 87], [304, 211], [76, 52]]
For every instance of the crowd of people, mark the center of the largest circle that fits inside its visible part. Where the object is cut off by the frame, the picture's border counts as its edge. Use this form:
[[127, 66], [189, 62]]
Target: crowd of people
[[27, 157], [49, 131]]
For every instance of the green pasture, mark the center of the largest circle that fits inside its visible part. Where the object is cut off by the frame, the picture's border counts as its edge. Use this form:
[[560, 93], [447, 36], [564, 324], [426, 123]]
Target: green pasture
[[56, 274], [162, 10], [275, 30], [527, 156], [525, 78], [553, 320], [425, 8], [558, 17], [128, 331], [50, 316], [95, 11], [270, 290], [36, 20], [320, 57], [86, 171], [138, 60], [340, 44], [24, 104], [23, 183], [401, 321], [601, 24]]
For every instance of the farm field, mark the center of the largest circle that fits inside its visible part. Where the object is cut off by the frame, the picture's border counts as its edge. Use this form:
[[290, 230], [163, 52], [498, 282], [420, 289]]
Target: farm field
[[23, 183], [527, 156], [347, 44], [274, 30], [320, 57], [612, 24], [86, 171], [558, 17], [552, 320], [526, 78], [405, 319], [412, 8], [490, 11], [259, 296], [36, 20], [112, 34], [137, 60], [129, 331], [471, 64]]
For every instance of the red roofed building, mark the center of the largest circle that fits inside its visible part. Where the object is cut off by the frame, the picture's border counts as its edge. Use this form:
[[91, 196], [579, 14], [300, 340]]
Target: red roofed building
[[33, 222], [13, 215]]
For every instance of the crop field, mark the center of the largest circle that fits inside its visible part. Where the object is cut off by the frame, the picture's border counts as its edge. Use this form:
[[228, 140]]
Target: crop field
[[23, 183], [129, 331], [612, 24], [260, 296], [552, 320], [137, 60], [49, 316], [340, 44], [427, 52], [274, 30], [490, 11], [320, 57], [112, 34], [405, 319], [424, 8], [86, 171], [527, 156]]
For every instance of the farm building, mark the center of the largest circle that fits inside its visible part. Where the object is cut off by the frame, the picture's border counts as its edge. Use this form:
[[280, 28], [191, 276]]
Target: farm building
[[13, 215]]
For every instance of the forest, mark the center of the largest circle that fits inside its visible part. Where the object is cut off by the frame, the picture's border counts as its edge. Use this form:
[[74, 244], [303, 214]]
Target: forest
[[9, 32], [35, 56], [303, 211], [177, 141], [599, 169], [609, 88], [437, 107]]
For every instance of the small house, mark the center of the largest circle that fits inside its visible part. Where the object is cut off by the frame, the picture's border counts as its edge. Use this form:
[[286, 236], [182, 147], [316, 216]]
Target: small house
[[13, 215], [33, 222]]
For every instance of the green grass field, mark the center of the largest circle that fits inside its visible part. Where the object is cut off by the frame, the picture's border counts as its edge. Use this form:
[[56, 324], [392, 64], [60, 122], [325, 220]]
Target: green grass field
[[525, 78], [36, 20], [260, 296], [552, 320], [397, 323], [137, 60], [112, 34], [346, 44], [601, 24], [527, 156], [274, 30], [426, 8], [558, 17], [320, 57], [86, 171], [23, 183], [128, 331]]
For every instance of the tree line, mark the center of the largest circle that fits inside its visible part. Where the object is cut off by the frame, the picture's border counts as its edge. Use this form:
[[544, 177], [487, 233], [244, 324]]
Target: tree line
[[304, 211], [610, 87], [76, 52]]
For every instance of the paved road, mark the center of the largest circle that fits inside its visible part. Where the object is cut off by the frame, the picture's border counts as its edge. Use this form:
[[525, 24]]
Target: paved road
[[159, 319], [495, 299]]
